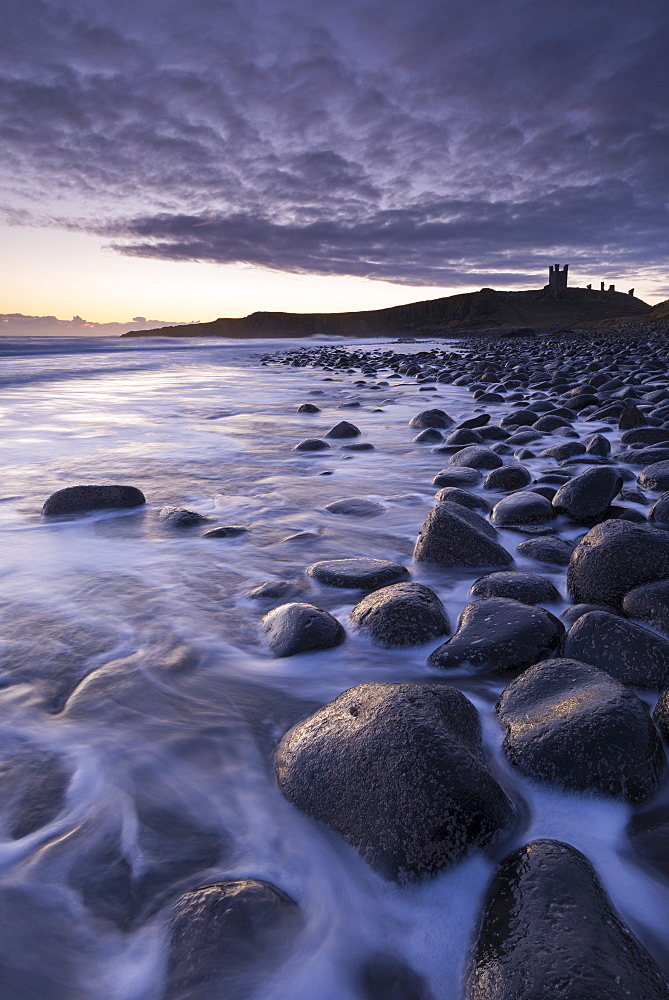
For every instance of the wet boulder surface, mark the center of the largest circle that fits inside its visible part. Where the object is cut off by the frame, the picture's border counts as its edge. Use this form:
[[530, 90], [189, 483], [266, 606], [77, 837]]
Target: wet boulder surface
[[404, 614], [498, 634], [550, 932], [615, 557], [453, 535], [299, 627], [572, 724], [359, 574], [649, 604], [83, 499], [525, 507], [398, 770], [631, 653], [528, 588], [225, 938], [586, 498]]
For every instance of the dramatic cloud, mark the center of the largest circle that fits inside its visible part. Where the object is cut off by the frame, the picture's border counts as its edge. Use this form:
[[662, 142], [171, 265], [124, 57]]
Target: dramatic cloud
[[419, 143]]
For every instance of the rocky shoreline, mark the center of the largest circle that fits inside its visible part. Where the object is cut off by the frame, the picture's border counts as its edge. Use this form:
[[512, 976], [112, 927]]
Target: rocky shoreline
[[398, 769]]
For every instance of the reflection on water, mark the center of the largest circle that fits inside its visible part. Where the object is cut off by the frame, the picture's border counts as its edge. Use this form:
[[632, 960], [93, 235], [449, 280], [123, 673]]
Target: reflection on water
[[140, 704]]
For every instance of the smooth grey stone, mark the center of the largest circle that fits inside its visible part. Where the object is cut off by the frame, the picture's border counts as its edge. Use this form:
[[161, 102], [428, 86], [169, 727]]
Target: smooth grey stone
[[297, 628], [476, 456], [458, 477], [498, 634], [358, 574], [650, 604], [403, 614], [82, 499], [522, 508], [528, 588], [308, 408], [399, 771], [226, 937], [226, 531], [453, 535], [508, 477], [180, 517], [355, 507], [428, 436], [550, 932], [574, 725], [431, 418], [655, 476], [271, 590], [343, 429], [627, 651], [614, 557], [455, 495], [588, 496], [312, 444]]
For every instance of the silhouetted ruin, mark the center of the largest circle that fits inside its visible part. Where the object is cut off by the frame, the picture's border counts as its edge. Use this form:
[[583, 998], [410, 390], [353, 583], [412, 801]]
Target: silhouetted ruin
[[557, 280]]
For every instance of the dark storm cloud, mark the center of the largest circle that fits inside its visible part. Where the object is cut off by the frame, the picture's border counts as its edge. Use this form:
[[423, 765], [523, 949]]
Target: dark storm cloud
[[412, 142]]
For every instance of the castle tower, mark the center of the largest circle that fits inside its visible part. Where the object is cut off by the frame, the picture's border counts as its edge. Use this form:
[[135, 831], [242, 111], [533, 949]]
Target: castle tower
[[557, 279]]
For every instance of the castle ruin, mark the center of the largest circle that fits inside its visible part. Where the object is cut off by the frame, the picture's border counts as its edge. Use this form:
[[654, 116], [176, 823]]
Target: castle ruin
[[557, 282]]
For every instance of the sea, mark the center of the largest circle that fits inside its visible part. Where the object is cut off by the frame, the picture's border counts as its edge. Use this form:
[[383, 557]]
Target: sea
[[140, 705]]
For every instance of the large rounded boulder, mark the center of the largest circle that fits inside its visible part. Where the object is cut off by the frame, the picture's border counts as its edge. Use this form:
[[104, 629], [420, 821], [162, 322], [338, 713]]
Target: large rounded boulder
[[398, 770], [225, 937], [573, 724], [404, 614], [615, 557], [83, 499], [550, 932], [627, 651], [650, 604], [452, 535], [299, 627], [587, 497], [528, 588], [499, 634], [358, 574], [477, 456]]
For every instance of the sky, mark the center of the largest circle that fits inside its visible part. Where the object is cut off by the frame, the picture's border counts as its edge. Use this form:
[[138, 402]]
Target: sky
[[179, 161]]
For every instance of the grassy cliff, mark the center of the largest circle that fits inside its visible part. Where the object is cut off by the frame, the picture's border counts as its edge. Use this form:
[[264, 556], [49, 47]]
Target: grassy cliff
[[487, 308]]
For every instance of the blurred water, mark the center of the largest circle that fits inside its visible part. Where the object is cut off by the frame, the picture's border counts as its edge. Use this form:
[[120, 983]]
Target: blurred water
[[132, 657]]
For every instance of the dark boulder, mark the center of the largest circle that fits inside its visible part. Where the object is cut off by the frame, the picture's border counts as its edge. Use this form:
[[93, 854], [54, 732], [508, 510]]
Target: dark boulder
[[650, 604], [429, 436], [661, 714], [550, 932], [403, 614], [498, 634], [180, 517], [457, 477], [82, 499], [466, 499], [399, 771], [431, 418], [570, 723], [525, 507], [463, 436], [508, 477], [297, 628], [356, 507], [308, 408], [226, 937], [659, 512], [272, 590], [358, 574], [343, 429], [615, 557], [577, 611], [476, 456], [655, 476], [528, 588], [629, 652], [561, 452], [452, 535], [586, 498], [645, 435], [226, 531], [597, 444], [312, 444]]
